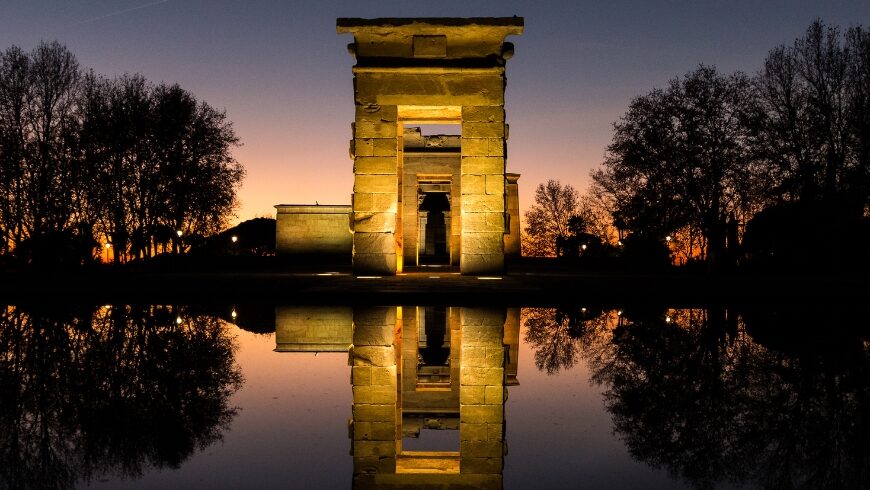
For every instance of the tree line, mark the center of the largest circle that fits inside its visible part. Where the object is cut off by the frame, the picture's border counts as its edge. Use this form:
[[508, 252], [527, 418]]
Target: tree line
[[732, 165], [89, 163], [753, 397], [93, 391]]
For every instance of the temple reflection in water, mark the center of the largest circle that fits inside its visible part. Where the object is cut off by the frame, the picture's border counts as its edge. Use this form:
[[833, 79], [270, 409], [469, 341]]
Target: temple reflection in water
[[429, 386]]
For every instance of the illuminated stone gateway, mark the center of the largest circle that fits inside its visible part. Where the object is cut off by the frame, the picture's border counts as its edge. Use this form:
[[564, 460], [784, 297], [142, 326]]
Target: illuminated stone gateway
[[417, 374], [420, 198]]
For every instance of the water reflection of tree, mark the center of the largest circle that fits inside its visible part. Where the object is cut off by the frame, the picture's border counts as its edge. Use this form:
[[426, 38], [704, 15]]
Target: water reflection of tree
[[693, 392], [559, 335], [111, 390]]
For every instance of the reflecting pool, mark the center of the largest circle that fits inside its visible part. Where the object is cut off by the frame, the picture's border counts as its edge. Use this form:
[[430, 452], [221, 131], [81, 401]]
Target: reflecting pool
[[265, 396]]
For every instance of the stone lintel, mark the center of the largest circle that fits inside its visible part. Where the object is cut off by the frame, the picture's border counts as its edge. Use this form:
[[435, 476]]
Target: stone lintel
[[431, 39], [430, 70], [354, 24]]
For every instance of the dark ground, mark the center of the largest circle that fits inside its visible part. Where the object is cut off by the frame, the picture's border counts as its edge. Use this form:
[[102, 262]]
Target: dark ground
[[527, 282]]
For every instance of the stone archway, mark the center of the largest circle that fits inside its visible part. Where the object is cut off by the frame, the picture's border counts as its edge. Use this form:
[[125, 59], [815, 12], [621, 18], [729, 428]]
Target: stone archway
[[429, 70]]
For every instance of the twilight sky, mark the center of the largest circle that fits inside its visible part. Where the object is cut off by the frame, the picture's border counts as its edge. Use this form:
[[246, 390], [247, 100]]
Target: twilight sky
[[284, 76]]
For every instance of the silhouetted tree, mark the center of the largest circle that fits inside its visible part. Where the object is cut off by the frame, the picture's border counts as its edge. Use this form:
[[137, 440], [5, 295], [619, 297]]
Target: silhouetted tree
[[547, 219], [88, 392], [116, 148], [120, 160], [691, 391], [812, 129], [14, 95], [558, 336], [679, 159], [40, 174], [193, 145]]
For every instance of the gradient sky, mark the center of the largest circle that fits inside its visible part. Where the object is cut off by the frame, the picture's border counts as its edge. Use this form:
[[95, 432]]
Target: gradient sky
[[284, 76]]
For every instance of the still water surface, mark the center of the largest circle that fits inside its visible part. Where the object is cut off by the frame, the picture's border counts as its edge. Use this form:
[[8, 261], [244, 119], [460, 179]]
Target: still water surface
[[334, 397]]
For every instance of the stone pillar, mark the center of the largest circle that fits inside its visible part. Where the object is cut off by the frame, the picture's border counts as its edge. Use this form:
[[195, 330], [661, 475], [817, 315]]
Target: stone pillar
[[512, 235], [448, 228], [483, 189], [376, 416], [376, 190], [482, 391], [422, 219]]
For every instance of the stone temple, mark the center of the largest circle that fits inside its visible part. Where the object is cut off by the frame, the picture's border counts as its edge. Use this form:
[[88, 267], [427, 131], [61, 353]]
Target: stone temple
[[421, 199]]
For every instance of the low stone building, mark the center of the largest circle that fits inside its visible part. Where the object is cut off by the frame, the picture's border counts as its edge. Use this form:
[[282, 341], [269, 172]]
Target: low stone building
[[302, 229]]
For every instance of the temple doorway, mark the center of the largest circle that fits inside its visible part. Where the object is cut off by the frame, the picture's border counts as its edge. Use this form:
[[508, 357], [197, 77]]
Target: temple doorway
[[434, 225]]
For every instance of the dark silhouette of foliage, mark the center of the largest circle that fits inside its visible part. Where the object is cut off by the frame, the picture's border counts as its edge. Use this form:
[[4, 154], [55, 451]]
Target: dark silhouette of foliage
[[547, 219], [774, 397], [557, 335], [812, 130], [115, 390], [807, 236], [701, 157], [129, 162], [643, 252], [678, 159]]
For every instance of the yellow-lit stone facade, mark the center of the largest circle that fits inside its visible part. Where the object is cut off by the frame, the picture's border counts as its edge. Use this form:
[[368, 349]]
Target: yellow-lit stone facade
[[412, 72], [313, 230], [415, 371]]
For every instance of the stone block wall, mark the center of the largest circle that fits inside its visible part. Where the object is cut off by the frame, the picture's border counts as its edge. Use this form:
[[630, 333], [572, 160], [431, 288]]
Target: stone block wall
[[313, 229], [376, 189], [482, 391], [313, 328], [382, 342], [376, 416], [483, 188]]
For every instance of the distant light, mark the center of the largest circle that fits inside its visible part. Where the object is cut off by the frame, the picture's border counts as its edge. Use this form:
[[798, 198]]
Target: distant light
[[326, 274], [619, 313], [108, 245], [583, 310], [667, 319], [583, 246], [178, 320], [489, 278], [434, 277], [619, 242], [369, 277], [668, 238], [108, 307], [233, 314], [179, 233], [234, 239]]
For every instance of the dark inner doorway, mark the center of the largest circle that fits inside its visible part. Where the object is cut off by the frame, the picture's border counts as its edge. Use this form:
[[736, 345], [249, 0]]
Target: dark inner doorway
[[436, 250]]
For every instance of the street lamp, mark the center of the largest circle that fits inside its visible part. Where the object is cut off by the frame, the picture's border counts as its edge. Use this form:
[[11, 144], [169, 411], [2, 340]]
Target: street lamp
[[108, 246], [234, 238]]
